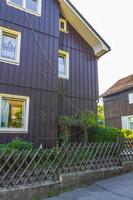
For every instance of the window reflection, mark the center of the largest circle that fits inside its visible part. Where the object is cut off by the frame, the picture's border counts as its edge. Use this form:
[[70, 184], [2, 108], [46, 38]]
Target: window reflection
[[32, 4], [61, 67], [19, 2], [12, 113]]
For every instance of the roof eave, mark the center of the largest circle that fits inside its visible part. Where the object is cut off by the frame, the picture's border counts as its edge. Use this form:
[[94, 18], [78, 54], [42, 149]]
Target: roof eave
[[115, 93], [100, 47]]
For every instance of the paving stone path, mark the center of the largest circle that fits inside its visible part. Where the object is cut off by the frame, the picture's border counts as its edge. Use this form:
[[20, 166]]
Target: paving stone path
[[117, 188]]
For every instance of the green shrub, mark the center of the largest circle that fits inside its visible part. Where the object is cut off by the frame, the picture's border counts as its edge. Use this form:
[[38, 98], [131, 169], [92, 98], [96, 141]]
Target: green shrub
[[64, 127], [102, 134], [81, 122], [87, 120], [86, 124], [17, 144], [127, 133], [105, 134], [20, 144], [3, 146]]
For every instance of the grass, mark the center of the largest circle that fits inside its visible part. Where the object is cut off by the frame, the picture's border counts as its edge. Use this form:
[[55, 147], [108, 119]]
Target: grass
[[54, 193], [58, 192]]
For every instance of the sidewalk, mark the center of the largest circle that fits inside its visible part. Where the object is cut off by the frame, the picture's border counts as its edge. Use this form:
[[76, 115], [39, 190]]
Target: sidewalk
[[117, 188]]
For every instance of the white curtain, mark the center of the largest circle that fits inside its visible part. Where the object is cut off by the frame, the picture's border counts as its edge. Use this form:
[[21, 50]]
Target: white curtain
[[8, 49], [5, 113]]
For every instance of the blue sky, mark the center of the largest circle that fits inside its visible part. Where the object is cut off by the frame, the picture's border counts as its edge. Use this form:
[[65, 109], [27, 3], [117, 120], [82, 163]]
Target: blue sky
[[113, 21]]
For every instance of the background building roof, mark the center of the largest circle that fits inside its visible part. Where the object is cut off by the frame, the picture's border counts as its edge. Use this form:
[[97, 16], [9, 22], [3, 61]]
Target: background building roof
[[121, 85]]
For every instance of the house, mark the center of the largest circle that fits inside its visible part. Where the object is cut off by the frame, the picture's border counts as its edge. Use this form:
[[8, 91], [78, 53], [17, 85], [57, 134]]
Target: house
[[48, 67], [118, 104]]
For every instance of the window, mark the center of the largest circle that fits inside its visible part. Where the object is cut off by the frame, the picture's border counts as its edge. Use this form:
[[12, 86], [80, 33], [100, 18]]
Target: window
[[63, 25], [63, 64], [127, 122], [31, 6], [14, 113], [131, 123], [9, 45], [130, 97]]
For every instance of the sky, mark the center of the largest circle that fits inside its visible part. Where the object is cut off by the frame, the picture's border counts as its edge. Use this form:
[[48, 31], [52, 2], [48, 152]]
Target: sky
[[112, 19]]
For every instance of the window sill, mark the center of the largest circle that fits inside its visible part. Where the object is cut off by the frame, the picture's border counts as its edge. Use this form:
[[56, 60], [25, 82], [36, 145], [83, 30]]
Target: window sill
[[61, 30], [63, 77], [9, 62], [23, 9], [13, 130]]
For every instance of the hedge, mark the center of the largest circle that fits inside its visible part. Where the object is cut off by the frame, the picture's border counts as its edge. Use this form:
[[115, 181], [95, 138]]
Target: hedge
[[106, 134]]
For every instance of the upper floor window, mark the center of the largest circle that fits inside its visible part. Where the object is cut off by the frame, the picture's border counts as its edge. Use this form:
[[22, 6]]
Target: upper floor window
[[63, 25], [63, 64], [9, 45], [130, 97], [14, 113], [31, 6]]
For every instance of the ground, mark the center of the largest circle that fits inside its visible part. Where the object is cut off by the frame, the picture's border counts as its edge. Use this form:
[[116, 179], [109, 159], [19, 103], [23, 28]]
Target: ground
[[117, 188]]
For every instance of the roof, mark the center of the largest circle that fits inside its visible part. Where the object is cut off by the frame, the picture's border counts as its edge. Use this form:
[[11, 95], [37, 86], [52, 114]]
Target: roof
[[82, 26], [120, 86]]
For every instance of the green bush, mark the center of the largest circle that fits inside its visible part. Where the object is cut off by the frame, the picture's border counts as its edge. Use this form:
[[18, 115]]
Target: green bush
[[87, 120], [127, 133], [3, 146], [105, 134], [82, 121], [64, 127], [20, 144], [86, 124], [17, 144]]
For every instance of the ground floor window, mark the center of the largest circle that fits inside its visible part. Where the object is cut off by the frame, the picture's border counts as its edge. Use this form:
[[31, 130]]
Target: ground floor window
[[127, 122], [14, 113]]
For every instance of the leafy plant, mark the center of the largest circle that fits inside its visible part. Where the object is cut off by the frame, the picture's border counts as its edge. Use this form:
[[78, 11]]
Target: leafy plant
[[127, 133], [64, 128], [17, 144], [82, 121], [87, 120], [20, 144], [101, 117], [103, 134]]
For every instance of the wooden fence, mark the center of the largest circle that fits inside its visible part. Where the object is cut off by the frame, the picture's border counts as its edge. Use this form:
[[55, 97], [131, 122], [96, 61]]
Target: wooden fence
[[35, 166]]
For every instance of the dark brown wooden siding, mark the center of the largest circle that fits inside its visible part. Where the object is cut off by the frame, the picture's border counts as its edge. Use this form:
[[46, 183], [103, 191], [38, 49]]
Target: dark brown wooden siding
[[47, 23], [37, 74], [117, 106], [82, 87], [43, 115], [36, 64]]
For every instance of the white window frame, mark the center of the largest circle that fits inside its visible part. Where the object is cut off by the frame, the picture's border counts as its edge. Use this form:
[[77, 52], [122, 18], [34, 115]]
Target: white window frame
[[26, 116], [65, 54], [130, 98], [61, 20], [125, 121], [18, 36], [23, 7]]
